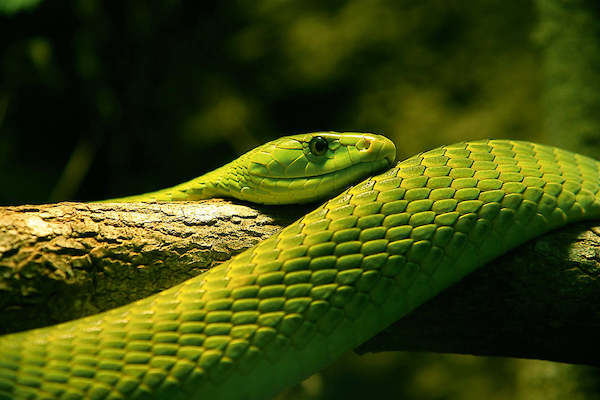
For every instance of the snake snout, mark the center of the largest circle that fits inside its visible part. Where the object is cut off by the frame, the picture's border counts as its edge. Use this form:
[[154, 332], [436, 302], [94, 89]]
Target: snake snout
[[379, 148]]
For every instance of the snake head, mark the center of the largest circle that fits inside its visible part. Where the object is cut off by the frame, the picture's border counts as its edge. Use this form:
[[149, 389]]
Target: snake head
[[309, 167]]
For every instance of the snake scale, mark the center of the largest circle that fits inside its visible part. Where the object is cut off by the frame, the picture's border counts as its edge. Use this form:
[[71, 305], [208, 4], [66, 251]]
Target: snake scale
[[281, 310]]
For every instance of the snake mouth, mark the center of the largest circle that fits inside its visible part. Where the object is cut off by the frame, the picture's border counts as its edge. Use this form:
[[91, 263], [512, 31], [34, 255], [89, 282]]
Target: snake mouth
[[388, 152], [373, 166]]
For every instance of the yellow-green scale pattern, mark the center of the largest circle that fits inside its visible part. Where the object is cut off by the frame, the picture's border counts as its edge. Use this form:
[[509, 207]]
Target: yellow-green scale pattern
[[290, 305]]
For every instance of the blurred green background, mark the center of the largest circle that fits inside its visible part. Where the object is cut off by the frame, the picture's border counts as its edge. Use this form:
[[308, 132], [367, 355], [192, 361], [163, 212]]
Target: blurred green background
[[104, 99], [140, 95]]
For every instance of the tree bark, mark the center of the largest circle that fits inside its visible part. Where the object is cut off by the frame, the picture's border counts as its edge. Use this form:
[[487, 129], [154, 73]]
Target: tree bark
[[67, 260], [64, 261]]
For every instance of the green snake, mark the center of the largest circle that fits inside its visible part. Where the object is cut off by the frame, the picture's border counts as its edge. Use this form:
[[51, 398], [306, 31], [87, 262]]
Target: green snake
[[292, 169], [289, 306]]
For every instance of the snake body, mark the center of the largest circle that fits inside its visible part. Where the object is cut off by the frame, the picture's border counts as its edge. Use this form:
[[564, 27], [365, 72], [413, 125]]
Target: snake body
[[290, 305]]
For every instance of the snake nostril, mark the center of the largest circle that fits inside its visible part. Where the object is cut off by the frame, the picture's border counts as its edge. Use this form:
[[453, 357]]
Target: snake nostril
[[364, 144]]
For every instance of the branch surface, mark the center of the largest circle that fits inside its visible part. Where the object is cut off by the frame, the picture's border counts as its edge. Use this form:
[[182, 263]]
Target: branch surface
[[63, 261], [67, 260]]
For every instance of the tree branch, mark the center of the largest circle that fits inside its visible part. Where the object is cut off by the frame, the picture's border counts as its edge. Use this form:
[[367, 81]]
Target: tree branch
[[540, 300], [67, 260]]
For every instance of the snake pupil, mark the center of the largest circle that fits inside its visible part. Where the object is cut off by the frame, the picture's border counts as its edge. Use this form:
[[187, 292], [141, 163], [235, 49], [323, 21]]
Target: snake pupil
[[318, 145]]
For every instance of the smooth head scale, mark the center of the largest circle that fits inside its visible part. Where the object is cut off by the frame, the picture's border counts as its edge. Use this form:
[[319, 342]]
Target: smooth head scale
[[292, 169]]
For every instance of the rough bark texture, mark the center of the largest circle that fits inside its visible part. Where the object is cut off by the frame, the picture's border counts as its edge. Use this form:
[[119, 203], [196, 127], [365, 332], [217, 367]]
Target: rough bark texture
[[67, 260], [63, 261]]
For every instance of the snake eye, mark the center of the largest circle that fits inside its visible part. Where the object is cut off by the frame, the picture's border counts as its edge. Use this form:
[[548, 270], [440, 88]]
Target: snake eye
[[318, 145]]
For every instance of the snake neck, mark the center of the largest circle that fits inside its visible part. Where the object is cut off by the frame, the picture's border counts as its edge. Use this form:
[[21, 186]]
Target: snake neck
[[220, 182]]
